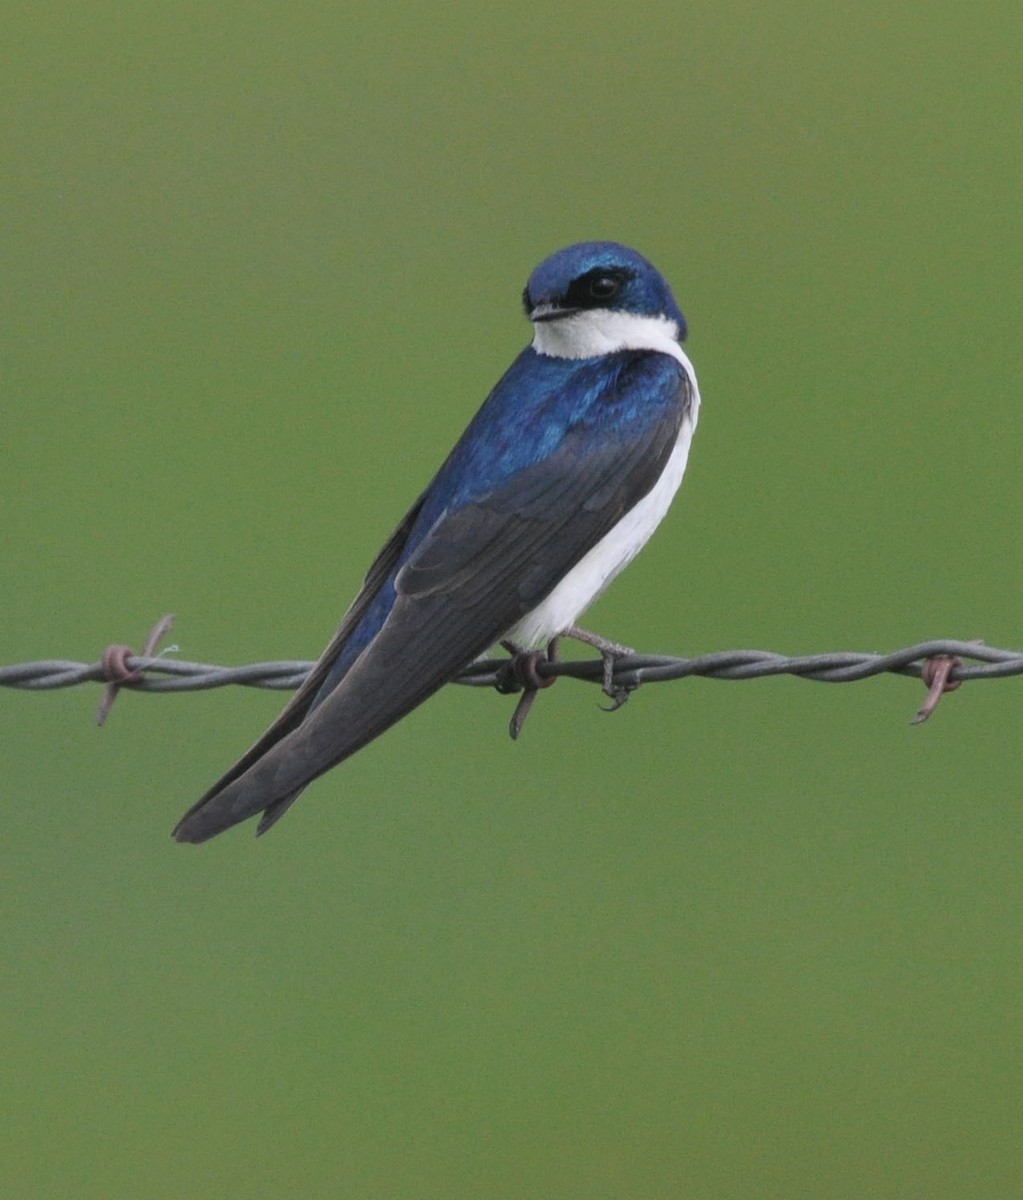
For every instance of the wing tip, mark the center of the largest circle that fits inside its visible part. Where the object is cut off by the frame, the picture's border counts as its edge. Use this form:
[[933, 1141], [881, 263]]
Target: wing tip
[[191, 829], [211, 817]]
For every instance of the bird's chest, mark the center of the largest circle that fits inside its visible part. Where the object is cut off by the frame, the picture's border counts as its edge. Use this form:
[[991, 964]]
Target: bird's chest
[[585, 581]]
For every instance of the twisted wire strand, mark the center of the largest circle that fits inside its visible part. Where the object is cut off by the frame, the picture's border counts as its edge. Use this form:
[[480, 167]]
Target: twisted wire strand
[[161, 674]]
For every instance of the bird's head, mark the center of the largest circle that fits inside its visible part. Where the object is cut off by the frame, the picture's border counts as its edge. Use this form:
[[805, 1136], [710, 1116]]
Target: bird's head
[[597, 297]]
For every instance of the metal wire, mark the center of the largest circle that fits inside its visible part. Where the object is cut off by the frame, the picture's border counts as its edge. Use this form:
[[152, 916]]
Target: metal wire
[[162, 674]]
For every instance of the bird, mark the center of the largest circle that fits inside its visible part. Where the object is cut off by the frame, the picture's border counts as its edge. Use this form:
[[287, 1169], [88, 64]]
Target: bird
[[556, 484]]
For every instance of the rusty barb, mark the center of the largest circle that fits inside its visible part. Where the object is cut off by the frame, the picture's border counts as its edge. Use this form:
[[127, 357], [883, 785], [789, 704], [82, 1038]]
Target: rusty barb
[[116, 671], [935, 676]]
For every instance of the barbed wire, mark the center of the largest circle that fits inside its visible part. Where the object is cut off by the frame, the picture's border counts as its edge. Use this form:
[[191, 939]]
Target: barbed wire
[[162, 674], [942, 663]]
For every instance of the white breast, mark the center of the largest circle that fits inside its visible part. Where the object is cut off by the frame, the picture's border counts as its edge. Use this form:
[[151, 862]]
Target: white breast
[[620, 545]]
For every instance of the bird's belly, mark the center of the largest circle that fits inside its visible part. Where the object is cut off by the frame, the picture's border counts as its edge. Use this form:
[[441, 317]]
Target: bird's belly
[[589, 577]]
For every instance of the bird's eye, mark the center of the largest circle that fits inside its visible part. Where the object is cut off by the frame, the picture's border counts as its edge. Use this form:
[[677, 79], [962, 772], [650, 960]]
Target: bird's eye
[[604, 287]]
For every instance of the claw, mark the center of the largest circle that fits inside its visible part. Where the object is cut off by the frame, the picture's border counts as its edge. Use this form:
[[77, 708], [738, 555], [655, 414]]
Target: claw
[[618, 698], [610, 653]]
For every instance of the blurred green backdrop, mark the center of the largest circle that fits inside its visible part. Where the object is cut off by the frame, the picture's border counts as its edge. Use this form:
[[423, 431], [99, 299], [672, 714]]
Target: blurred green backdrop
[[261, 263]]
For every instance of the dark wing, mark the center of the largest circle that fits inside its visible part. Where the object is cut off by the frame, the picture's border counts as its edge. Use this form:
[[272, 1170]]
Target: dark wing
[[478, 570], [294, 712]]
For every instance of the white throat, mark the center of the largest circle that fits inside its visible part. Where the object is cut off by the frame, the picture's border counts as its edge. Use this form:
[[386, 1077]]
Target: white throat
[[599, 331]]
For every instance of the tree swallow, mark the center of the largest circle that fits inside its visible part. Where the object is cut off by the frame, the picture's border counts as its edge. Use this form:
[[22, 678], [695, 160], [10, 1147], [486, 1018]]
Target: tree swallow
[[555, 486]]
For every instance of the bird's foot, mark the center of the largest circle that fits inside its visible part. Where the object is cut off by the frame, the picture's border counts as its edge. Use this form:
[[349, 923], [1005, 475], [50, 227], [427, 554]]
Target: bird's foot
[[520, 674], [610, 652]]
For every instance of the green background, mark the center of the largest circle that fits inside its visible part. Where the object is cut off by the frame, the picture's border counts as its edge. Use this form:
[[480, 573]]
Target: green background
[[260, 265]]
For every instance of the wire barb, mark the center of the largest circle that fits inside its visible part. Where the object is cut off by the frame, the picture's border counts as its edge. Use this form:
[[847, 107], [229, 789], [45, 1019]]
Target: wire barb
[[116, 669], [935, 675], [519, 674]]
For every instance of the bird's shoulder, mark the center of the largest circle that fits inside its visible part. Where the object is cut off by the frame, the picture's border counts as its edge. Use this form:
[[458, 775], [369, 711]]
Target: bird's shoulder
[[541, 400]]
